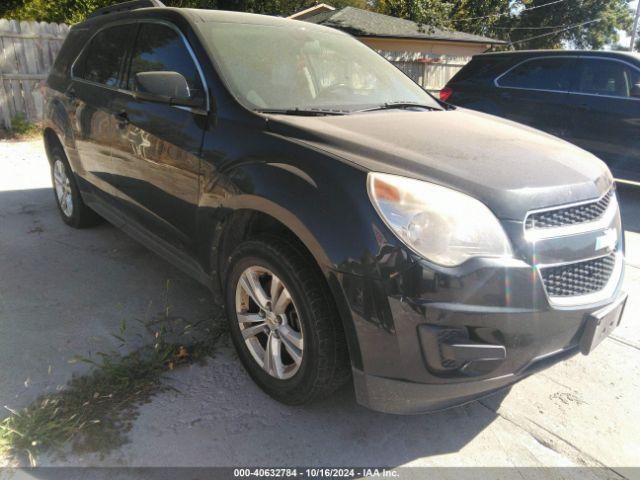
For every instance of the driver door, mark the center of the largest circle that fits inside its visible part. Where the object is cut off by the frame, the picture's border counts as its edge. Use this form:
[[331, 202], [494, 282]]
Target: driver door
[[157, 146]]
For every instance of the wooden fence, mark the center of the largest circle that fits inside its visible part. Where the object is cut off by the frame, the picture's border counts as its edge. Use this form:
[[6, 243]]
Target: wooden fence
[[431, 71], [27, 52]]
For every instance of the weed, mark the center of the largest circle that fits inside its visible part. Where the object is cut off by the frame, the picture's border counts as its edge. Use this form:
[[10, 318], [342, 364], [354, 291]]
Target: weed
[[21, 128], [95, 412]]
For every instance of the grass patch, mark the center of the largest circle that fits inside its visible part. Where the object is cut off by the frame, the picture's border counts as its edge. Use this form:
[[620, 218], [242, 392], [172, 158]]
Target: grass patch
[[94, 413], [21, 129]]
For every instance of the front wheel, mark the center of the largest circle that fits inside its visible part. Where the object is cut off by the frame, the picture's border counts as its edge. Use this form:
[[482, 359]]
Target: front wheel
[[283, 322]]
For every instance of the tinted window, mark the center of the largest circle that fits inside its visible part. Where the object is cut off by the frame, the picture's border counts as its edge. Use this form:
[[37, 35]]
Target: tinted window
[[161, 49], [607, 77], [478, 68], [541, 74], [103, 58]]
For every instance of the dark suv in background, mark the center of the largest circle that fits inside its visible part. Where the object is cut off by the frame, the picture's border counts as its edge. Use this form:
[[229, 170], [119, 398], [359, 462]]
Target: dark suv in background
[[353, 225], [590, 98]]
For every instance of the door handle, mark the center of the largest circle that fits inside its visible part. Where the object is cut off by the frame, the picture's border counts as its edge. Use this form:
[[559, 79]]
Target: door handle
[[122, 118], [584, 107]]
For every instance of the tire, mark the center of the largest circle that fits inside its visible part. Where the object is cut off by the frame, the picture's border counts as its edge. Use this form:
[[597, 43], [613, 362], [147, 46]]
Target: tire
[[73, 211], [324, 366]]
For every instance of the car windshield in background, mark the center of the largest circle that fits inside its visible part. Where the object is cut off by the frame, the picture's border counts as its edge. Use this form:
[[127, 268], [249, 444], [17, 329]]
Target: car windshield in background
[[307, 70]]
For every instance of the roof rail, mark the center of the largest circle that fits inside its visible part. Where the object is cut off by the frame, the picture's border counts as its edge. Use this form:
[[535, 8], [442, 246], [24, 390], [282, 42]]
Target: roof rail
[[126, 6]]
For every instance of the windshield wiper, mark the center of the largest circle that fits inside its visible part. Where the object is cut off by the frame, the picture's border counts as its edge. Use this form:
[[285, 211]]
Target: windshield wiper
[[305, 112], [394, 105]]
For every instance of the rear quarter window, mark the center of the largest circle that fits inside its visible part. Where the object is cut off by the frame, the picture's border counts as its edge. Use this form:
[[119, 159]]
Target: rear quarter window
[[479, 68], [71, 47]]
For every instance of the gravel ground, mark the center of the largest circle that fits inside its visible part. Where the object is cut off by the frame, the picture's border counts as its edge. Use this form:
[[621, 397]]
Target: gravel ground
[[63, 292]]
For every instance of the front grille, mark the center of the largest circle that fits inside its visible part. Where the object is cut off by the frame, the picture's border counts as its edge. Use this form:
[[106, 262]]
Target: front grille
[[580, 278], [562, 217]]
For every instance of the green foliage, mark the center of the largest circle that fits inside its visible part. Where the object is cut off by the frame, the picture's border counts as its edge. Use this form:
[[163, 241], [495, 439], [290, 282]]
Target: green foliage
[[507, 19], [94, 412], [435, 13], [503, 19], [7, 5], [21, 127], [613, 15]]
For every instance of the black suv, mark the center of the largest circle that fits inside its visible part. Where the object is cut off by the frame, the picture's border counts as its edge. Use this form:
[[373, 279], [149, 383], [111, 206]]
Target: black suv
[[353, 225], [589, 98]]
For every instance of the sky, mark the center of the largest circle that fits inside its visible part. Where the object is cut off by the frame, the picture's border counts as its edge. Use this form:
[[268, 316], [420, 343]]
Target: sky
[[624, 38]]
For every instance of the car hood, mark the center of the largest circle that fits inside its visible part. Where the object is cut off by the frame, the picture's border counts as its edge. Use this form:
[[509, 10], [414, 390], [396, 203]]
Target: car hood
[[509, 167]]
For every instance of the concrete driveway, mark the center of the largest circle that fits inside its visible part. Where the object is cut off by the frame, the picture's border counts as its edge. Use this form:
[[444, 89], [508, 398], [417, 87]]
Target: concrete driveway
[[64, 292]]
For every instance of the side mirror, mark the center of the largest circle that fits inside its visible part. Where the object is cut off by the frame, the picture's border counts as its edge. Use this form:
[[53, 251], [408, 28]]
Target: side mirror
[[164, 87], [635, 90]]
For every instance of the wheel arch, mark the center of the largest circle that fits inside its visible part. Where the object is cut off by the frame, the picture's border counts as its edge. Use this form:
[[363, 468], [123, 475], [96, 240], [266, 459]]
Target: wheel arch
[[251, 221], [51, 140]]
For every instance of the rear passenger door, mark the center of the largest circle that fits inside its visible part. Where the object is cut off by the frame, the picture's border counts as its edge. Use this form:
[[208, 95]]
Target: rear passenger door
[[156, 146], [536, 92], [96, 74], [607, 114]]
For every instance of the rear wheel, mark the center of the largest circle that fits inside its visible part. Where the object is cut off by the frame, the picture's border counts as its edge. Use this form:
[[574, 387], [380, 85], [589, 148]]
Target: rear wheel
[[72, 208], [283, 322]]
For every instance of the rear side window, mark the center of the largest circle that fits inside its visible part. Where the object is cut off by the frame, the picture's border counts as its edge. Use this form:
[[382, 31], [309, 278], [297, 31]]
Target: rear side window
[[71, 47], [539, 74], [160, 48], [478, 68], [102, 61], [606, 77]]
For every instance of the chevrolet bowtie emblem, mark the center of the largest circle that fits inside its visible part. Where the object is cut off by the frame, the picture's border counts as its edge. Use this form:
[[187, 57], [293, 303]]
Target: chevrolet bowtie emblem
[[608, 240]]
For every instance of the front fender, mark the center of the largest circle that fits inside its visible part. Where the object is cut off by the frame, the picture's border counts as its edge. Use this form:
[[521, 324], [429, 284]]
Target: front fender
[[323, 201]]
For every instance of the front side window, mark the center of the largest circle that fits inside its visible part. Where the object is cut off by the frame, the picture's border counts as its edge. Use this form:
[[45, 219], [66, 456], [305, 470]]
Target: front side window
[[607, 77], [102, 60], [302, 67], [160, 48], [540, 74]]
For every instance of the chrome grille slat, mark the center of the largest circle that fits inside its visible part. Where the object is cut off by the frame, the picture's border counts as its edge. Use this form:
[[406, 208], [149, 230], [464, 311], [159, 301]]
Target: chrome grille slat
[[566, 216], [581, 278]]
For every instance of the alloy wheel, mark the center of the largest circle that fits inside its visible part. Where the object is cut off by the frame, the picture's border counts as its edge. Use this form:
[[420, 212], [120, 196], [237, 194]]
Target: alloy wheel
[[269, 322], [62, 186]]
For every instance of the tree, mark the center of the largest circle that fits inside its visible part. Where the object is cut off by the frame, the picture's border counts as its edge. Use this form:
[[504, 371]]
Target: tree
[[512, 20], [482, 17], [434, 13], [8, 5], [610, 16]]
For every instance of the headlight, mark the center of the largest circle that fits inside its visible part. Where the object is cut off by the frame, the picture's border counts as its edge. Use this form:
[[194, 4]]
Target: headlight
[[444, 226]]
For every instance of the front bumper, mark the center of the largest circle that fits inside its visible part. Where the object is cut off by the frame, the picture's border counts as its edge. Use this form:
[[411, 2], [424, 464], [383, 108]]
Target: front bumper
[[401, 320], [401, 397]]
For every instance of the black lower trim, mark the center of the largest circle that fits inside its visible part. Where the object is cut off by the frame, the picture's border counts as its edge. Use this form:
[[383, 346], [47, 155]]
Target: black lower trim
[[395, 396]]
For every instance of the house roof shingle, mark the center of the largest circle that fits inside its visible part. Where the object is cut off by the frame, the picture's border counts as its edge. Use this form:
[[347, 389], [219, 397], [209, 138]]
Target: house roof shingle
[[364, 23]]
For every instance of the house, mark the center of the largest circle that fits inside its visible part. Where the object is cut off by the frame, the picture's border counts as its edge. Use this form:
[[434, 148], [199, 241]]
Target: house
[[429, 55]]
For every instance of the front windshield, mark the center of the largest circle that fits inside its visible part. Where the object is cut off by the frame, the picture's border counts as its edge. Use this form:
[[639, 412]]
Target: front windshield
[[306, 68]]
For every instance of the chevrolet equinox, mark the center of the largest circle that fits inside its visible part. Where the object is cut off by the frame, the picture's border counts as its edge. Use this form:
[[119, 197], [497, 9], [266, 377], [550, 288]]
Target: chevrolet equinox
[[353, 226]]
